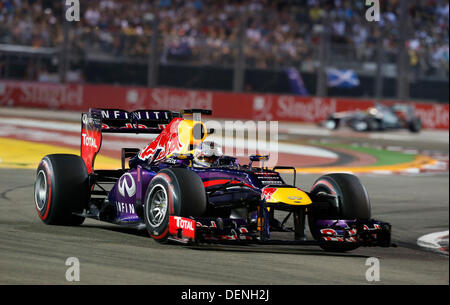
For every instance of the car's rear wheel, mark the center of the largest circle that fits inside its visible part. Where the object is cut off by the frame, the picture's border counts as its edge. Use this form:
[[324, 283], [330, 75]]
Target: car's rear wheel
[[350, 202], [415, 125], [172, 192], [61, 189]]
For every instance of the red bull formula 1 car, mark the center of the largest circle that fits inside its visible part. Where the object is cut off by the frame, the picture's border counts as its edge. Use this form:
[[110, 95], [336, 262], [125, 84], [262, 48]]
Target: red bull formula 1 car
[[164, 191]]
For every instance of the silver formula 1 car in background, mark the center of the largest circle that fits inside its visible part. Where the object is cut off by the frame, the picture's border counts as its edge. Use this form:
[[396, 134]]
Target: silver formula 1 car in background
[[377, 118]]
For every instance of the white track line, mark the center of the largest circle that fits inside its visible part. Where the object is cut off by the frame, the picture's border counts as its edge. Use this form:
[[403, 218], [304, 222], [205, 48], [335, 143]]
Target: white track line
[[403, 137], [434, 241]]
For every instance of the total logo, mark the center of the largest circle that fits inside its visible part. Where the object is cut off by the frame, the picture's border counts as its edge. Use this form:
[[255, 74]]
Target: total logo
[[89, 141], [184, 223], [127, 185]]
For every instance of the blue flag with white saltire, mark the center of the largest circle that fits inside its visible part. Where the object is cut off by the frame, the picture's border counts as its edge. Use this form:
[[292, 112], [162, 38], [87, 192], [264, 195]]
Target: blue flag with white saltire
[[342, 78]]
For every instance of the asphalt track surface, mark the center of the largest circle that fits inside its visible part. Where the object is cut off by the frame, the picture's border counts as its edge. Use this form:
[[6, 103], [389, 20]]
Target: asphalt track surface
[[34, 253]]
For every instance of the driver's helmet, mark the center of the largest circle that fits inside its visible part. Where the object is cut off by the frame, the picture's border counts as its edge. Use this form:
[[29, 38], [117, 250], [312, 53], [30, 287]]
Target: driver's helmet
[[206, 153]]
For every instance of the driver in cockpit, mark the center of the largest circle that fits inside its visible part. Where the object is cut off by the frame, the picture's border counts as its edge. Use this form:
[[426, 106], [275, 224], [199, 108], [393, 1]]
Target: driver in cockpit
[[206, 154]]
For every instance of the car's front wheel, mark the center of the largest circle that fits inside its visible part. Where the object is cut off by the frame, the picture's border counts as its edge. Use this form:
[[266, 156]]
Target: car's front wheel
[[172, 192], [350, 202]]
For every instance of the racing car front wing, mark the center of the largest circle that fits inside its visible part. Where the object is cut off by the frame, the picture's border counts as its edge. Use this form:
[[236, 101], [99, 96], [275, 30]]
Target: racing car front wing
[[368, 233]]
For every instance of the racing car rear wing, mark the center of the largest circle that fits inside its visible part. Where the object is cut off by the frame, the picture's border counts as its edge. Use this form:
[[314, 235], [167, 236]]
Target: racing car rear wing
[[139, 121], [98, 121]]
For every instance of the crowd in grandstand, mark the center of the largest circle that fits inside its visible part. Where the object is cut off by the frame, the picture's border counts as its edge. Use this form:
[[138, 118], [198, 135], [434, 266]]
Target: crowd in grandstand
[[276, 33]]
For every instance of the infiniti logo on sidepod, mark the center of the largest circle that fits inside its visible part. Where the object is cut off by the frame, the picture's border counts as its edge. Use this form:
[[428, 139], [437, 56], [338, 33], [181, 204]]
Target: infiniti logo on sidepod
[[123, 185]]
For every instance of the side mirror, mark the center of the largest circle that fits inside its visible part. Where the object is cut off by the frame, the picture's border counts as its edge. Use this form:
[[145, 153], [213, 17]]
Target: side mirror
[[261, 158], [183, 156], [258, 158]]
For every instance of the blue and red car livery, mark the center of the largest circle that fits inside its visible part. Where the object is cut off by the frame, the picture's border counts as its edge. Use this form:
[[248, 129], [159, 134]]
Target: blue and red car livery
[[161, 190]]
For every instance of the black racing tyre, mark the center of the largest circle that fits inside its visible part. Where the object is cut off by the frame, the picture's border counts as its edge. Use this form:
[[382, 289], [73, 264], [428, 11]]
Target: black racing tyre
[[374, 124], [359, 125], [352, 202], [415, 125], [332, 123], [172, 192], [61, 189]]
